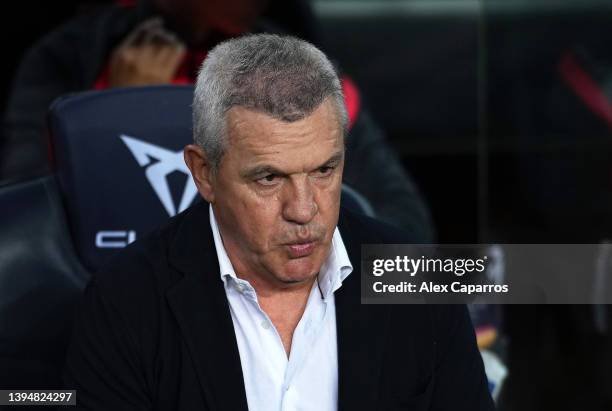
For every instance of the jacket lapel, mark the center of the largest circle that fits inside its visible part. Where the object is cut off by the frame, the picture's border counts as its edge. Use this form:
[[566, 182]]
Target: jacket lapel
[[200, 306], [361, 331]]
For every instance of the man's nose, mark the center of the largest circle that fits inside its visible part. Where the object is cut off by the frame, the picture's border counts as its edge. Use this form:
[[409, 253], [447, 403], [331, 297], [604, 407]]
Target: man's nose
[[300, 206]]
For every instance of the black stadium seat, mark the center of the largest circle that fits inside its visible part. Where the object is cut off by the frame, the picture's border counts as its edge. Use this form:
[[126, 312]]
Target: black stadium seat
[[118, 173]]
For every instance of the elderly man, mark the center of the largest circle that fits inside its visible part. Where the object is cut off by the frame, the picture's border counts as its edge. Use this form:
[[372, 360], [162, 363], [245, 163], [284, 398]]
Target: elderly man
[[252, 300]]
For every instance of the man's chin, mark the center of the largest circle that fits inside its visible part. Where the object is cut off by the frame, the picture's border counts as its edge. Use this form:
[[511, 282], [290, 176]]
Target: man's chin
[[298, 271]]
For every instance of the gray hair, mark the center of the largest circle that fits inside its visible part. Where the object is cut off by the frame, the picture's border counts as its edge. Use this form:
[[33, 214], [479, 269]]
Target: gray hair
[[284, 77]]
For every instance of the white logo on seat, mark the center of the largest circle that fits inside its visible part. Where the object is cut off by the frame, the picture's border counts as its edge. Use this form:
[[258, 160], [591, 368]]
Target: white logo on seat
[[160, 162]]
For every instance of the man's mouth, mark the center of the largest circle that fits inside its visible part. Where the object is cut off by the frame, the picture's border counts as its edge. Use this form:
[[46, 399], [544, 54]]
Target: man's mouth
[[301, 248]]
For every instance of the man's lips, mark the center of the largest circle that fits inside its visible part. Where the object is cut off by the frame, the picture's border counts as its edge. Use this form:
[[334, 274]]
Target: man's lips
[[301, 248]]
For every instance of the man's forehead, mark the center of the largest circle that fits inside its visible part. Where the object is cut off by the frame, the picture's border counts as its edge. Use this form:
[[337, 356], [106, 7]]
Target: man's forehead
[[257, 141], [240, 117], [256, 131]]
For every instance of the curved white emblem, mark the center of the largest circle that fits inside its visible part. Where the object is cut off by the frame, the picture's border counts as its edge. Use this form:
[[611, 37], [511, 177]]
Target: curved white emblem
[[158, 163]]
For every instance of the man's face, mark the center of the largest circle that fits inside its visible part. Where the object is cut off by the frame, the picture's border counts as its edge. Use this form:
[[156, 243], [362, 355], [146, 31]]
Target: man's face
[[277, 192]]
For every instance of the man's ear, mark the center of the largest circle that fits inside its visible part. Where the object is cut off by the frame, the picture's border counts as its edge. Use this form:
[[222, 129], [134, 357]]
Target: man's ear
[[201, 171]]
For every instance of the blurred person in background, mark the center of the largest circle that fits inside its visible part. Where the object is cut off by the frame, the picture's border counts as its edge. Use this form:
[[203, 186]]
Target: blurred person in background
[[164, 42]]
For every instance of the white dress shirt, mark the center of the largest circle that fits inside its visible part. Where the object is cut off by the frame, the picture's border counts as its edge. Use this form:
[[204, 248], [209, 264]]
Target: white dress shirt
[[308, 379]]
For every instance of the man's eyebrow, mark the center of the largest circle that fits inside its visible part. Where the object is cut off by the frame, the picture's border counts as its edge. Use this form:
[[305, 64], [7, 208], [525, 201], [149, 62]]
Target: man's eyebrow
[[333, 160], [266, 169], [261, 170]]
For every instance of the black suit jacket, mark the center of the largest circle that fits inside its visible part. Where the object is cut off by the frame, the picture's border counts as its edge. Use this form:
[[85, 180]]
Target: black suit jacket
[[154, 331]]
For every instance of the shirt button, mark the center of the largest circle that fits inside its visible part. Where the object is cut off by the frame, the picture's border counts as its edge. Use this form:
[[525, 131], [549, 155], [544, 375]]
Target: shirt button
[[265, 325], [240, 287]]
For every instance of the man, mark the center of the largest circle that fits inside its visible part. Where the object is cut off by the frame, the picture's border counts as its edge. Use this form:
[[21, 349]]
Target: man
[[163, 42], [253, 300]]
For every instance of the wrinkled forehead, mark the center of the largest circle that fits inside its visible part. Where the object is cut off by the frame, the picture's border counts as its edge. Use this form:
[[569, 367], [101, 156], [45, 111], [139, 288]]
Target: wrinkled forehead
[[257, 137]]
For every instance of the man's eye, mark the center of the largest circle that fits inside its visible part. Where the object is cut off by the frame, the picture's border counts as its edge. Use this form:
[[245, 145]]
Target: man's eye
[[268, 180], [324, 171]]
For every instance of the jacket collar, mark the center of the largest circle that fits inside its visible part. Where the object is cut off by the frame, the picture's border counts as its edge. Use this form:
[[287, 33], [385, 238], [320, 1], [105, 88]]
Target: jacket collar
[[200, 306]]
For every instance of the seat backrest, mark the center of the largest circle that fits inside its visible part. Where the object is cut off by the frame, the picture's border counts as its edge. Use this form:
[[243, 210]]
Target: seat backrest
[[119, 163]]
